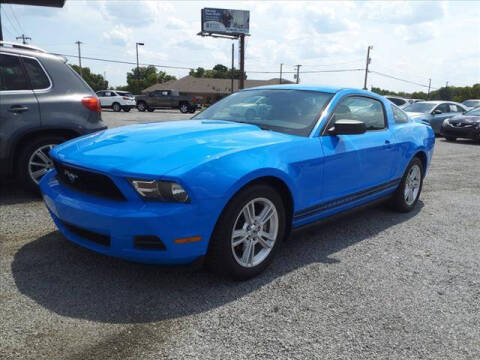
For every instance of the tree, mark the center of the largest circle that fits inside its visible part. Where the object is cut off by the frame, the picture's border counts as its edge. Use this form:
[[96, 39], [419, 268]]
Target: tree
[[95, 81], [451, 93], [219, 71], [138, 80]]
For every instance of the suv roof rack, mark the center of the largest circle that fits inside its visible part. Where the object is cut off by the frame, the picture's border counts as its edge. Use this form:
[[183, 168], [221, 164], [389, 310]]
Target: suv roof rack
[[21, 46]]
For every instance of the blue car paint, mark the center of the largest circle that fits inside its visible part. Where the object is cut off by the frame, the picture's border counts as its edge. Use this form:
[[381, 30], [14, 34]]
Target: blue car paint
[[213, 160]]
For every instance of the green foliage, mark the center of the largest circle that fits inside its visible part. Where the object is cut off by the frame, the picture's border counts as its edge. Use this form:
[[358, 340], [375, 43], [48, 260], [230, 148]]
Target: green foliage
[[450, 93], [143, 78], [96, 81], [219, 71]]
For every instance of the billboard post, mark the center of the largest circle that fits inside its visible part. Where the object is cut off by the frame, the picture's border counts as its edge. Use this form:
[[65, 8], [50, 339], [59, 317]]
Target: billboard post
[[228, 24]]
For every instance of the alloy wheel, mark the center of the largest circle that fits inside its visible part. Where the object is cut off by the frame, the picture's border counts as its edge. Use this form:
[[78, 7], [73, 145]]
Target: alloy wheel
[[412, 184], [255, 232], [40, 163]]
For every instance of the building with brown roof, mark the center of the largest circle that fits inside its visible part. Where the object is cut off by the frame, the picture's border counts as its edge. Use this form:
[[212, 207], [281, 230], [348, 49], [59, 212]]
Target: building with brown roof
[[209, 90]]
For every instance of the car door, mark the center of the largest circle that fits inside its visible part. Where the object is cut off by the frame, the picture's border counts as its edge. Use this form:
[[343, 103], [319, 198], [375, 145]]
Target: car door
[[101, 97], [441, 112], [19, 109], [166, 99], [363, 163]]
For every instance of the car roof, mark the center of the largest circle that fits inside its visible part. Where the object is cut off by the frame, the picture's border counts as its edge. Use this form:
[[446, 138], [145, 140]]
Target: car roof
[[325, 89], [436, 102], [31, 52]]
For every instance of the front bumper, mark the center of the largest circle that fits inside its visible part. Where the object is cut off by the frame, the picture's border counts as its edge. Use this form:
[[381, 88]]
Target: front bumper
[[460, 132], [81, 217]]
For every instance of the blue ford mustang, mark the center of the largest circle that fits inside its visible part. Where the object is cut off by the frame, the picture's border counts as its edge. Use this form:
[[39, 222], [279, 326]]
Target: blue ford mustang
[[231, 183]]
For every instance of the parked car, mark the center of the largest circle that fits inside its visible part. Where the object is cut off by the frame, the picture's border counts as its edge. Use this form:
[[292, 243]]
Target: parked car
[[434, 112], [472, 103], [465, 125], [230, 187], [400, 102], [116, 100], [43, 103], [166, 99]]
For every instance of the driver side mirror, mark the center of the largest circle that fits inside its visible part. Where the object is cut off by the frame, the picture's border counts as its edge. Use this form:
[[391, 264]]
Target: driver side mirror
[[437, 111], [348, 127]]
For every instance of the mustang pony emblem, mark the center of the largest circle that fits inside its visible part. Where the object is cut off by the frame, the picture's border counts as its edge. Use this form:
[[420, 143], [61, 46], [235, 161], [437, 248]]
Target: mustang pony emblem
[[71, 176]]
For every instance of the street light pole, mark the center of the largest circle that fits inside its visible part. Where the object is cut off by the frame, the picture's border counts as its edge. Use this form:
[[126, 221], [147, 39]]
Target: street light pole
[[136, 47], [370, 47], [281, 68]]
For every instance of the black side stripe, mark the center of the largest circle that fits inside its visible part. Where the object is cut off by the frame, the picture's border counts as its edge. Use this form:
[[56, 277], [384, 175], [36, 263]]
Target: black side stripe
[[344, 200]]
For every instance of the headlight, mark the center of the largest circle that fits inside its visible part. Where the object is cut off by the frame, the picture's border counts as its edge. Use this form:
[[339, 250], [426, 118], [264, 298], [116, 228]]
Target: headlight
[[160, 190], [446, 122]]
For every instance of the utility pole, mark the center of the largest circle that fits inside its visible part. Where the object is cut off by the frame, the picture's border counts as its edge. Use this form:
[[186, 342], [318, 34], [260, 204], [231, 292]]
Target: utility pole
[[136, 48], [370, 47], [298, 73], [241, 83], [1, 31], [429, 85], [446, 85], [79, 55], [281, 66], [233, 64], [24, 39]]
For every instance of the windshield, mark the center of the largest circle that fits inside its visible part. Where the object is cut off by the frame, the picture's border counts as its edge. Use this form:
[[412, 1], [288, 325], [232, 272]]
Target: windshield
[[289, 111], [471, 103], [421, 107], [473, 112]]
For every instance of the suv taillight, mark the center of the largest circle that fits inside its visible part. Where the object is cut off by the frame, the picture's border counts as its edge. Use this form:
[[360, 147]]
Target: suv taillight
[[126, 98], [92, 103]]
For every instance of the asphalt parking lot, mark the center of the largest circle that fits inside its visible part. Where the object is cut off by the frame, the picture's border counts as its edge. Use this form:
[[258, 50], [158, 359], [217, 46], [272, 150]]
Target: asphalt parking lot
[[373, 285]]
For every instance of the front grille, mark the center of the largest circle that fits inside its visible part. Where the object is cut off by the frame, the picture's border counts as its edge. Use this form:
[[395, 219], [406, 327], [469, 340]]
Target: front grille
[[97, 238], [88, 182]]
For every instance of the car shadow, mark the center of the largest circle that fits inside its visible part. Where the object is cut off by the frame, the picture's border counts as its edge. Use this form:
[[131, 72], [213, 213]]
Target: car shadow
[[11, 192], [75, 282], [461, 141]]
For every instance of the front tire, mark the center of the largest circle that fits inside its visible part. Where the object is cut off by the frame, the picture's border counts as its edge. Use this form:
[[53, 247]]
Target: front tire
[[34, 161], [248, 233], [408, 192], [116, 107], [183, 108], [141, 106]]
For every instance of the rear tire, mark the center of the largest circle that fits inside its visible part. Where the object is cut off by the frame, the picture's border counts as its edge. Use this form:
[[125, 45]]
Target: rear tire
[[33, 160], [183, 107], [408, 192], [141, 106], [248, 253], [116, 107]]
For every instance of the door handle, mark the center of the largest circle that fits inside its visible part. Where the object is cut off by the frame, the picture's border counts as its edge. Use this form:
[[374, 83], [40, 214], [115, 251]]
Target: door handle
[[387, 142], [18, 108]]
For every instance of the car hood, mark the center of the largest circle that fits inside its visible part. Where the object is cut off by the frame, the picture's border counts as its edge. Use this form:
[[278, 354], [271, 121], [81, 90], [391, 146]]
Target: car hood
[[465, 119], [159, 148]]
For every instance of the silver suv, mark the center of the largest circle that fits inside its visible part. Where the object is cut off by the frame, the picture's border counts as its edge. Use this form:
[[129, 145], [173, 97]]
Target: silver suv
[[43, 102]]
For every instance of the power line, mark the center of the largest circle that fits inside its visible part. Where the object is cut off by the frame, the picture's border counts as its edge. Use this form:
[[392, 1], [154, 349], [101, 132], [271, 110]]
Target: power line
[[14, 27], [16, 19], [400, 79], [126, 62], [304, 72]]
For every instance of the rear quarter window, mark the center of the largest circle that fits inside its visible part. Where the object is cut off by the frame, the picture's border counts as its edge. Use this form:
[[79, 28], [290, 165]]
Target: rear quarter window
[[37, 75], [399, 116]]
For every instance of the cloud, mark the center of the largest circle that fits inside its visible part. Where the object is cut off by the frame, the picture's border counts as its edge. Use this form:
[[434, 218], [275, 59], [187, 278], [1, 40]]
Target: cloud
[[417, 33], [174, 23], [119, 35], [406, 13], [135, 14]]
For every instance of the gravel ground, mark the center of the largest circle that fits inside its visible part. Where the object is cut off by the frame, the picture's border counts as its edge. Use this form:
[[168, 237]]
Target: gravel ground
[[373, 285]]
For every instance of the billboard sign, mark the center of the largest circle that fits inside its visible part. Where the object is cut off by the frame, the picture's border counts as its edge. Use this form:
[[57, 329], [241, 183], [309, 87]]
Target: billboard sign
[[224, 21]]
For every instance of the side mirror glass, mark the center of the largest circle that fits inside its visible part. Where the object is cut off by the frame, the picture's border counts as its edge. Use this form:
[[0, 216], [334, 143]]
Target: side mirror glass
[[348, 127], [437, 111]]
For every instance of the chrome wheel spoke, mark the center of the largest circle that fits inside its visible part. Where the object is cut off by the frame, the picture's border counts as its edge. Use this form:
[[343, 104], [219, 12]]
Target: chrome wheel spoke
[[36, 174], [257, 224], [42, 156]]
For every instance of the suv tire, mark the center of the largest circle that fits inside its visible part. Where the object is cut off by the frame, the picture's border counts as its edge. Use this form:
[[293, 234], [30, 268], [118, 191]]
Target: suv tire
[[116, 107], [31, 154]]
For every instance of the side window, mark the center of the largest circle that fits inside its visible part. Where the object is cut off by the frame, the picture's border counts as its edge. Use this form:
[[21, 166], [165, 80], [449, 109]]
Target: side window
[[399, 116], [165, 93], [107, 93], [37, 75], [360, 108], [444, 108], [457, 108], [12, 76], [101, 93]]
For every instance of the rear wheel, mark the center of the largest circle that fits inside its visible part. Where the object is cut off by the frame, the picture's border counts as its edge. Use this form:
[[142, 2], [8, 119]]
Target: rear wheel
[[183, 108], [116, 107], [141, 106], [34, 160], [406, 196], [248, 233]]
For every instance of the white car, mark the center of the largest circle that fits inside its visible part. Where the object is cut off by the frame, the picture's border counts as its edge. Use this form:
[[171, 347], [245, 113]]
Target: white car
[[116, 100]]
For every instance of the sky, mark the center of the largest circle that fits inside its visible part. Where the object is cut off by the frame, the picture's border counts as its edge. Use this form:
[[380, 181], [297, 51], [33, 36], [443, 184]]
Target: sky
[[414, 41]]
